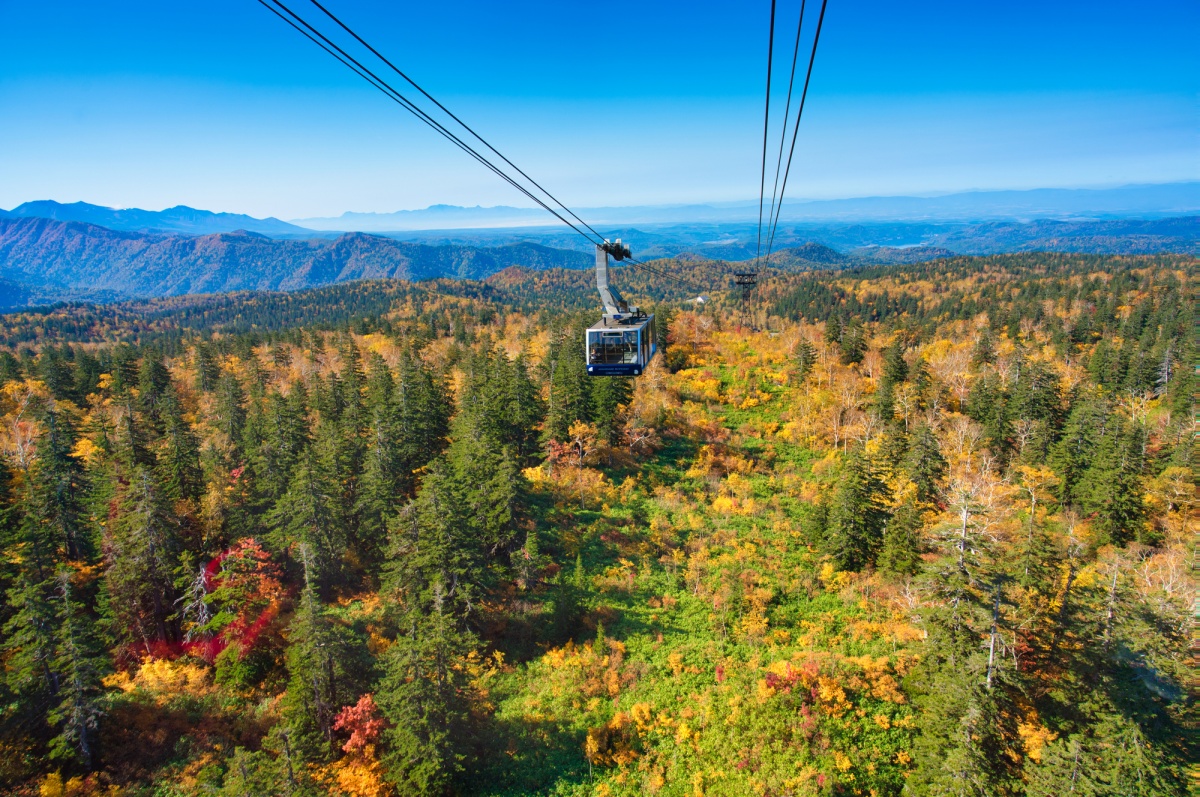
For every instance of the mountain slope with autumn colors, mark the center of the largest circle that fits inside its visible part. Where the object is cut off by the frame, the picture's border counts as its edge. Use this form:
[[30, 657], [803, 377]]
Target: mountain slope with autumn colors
[[72, 259], [886, 530]]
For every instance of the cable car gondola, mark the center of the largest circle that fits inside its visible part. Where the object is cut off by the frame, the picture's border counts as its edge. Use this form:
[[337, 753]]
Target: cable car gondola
[[622, 342]]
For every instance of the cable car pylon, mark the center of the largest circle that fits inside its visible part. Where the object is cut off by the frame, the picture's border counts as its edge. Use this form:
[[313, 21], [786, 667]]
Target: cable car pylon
[[746, 280]]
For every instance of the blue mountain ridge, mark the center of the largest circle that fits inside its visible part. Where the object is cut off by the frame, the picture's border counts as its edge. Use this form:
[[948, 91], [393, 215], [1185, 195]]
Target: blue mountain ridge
[[179, 219]]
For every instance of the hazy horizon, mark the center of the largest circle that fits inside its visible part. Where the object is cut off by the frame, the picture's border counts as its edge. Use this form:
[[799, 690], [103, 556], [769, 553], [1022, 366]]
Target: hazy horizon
[[536, 213]]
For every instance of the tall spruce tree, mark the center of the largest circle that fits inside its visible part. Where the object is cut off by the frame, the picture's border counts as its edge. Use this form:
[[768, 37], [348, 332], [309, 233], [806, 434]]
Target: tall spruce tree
[[925, 465], [805, 358], [608, 396], [58, 483], [857, 514], [1110, 487], [178, 456], [79, 664], [144, 547], [900, 554], [423, 409], [207, 372], [895, 371], [153, 382], [327, 666], [306, 518], [570, 389], [231, 412], [967, 716], [433, 576]]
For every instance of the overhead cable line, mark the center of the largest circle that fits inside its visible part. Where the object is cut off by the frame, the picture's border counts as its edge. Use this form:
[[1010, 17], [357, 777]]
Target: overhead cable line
[[762, 180], [382, 85], [787, 111], [447, 111], [635, 263], [796, 130], [310, 32]]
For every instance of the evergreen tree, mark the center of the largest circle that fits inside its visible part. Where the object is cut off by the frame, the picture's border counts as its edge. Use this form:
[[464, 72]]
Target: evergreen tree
[[487, 483], [853, 344], [58, 485], [570, 389], [1035, 402], [1111, 756], [130, 441], [895, 368], [857, 515], [925, 465], [79, 664], [30, 644], [124, 371], [526, 411], [153, 382], [895, 371], [901, 551], [1070, 456], [962, 747], [987, 404], [10, 368], [423, 695], [384, 483], [432, 575], [305, 518], [663, 318], [326, 397], [1110, 488], [231, 413], [87, 375], [967, 716], [285, 435], [502, 402], [833, 331], [178, 467], [352, 383], [805, 358], [984, 352], [337, 449], [207, 372], [608, 396], [144, 549], [893, 448], [422, 413], [57, 374], [327, 667]]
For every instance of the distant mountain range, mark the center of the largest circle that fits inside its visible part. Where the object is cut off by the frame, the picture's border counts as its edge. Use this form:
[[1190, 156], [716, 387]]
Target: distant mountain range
[[47, 260], [64, 253], [179, 219], [1168, 199], [1137, 201]]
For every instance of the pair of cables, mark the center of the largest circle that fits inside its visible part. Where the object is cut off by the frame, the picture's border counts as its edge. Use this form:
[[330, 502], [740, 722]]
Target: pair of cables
[[779, 186], [466, 139]]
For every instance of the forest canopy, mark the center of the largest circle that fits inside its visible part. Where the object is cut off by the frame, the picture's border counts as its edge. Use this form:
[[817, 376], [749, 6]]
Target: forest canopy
[[922, 529]]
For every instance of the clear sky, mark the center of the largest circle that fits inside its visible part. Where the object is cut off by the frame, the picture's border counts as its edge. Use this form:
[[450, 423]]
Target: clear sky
[[219, 105]]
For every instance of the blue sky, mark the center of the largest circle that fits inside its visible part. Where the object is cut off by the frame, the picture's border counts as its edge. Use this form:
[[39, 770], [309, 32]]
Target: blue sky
[[219, 105]]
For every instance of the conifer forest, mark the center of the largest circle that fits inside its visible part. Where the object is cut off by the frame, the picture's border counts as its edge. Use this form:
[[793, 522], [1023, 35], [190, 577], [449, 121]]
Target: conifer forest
[[922, 529]]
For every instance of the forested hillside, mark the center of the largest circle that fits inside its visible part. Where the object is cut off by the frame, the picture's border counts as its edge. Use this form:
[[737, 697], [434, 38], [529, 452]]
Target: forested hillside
[[922, 529], [57, 260]]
